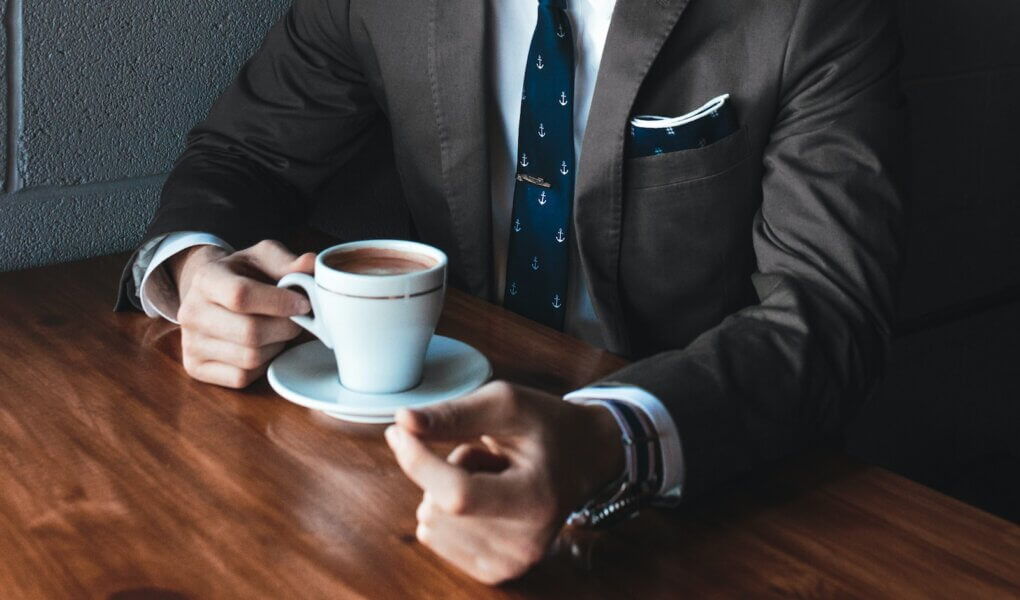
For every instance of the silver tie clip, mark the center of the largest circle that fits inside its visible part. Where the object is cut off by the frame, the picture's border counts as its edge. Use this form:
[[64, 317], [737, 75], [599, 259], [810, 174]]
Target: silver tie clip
[[533, 180]]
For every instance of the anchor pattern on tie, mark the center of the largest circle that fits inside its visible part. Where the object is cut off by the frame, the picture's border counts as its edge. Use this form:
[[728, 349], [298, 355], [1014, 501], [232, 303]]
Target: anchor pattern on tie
[[537, 255]]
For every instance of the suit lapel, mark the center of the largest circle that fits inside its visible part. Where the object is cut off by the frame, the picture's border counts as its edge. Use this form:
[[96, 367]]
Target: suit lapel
[[637, 33], [458, 69]]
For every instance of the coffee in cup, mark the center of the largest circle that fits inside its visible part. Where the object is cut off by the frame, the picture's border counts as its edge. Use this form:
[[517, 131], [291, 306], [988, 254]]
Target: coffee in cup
[[378, 261], [376, 304]]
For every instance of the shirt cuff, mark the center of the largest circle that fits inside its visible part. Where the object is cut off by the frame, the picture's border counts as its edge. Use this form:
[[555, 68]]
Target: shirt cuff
[[673, 468], [156, 291]]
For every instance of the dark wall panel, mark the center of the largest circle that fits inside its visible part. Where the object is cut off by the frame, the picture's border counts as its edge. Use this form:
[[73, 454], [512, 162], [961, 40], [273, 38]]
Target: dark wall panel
[[944, 37], [962, 81]]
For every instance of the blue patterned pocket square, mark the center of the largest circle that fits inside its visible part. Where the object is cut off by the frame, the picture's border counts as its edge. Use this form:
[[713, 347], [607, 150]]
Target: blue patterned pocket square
[[650, 134]]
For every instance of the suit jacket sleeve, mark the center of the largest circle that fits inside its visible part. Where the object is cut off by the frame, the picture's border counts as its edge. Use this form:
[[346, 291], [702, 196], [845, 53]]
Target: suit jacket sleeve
[[296, 113], [788, 371]]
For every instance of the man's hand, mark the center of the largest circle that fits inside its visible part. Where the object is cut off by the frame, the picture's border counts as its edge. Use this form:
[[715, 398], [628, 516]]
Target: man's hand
[[234, 319], [526, 460]]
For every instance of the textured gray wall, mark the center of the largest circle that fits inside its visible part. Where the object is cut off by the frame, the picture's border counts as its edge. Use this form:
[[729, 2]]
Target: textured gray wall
[[98, 97]]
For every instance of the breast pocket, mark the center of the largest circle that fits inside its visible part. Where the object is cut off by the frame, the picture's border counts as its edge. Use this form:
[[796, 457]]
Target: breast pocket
[[687, 165], [685, 249]]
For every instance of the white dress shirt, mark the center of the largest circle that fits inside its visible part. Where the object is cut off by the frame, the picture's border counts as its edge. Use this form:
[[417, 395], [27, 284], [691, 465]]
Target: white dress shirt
[[513, 23]]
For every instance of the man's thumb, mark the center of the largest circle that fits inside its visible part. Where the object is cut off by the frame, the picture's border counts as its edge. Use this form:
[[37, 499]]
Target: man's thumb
[[275, 260], [304, 264], [486, 411]]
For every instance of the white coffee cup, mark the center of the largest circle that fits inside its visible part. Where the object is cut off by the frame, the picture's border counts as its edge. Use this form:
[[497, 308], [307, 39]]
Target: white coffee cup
[[378, 323]]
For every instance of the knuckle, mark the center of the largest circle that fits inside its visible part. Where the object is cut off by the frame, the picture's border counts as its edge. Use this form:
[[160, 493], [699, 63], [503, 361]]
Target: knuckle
[[507, 395], [268, 245], [237, 379], [237, 296], [459, 500], [251, 358], [502, 388], [249, 333], [190, 365], [424, 513], [423, 533]]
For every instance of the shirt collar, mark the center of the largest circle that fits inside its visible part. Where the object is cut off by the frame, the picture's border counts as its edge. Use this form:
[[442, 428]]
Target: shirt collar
[[602, 8]]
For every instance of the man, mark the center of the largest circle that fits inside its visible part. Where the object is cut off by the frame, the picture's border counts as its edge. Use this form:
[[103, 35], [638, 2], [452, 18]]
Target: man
[[749, 276]]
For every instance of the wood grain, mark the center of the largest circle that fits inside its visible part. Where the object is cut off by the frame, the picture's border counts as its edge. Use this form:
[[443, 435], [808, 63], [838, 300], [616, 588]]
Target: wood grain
[[121, 478]]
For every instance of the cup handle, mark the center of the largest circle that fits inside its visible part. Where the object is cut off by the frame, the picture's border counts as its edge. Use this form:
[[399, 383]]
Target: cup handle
[[314, 323]]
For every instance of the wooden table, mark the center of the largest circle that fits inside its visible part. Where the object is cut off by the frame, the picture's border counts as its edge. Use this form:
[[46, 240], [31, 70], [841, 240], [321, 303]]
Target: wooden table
[[121, 478]]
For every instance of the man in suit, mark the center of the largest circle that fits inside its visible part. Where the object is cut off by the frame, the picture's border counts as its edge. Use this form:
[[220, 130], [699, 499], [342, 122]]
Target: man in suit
[[750, 276]]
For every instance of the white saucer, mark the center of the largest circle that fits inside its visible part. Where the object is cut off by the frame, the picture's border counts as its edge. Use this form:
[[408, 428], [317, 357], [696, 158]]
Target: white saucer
[[306, 375]]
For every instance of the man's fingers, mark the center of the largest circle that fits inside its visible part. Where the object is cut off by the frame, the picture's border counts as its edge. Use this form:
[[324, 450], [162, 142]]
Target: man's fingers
[[454, 489], [474, 458], [467, 550], [245, 295], [223, 374], [446, 483], [491, 550], [275, 260], [303, 264], [492, 409], [458, 551], [203, 348], [252, 331]]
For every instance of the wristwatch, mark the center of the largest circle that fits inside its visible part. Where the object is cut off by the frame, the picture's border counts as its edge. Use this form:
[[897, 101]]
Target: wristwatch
[[641, 477]]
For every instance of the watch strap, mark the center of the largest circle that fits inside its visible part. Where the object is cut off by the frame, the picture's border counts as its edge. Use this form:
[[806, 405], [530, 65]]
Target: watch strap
[[638, 483]]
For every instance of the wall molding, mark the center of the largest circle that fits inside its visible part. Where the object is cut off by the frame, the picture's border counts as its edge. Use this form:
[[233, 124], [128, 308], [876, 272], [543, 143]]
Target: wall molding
[[46, 192], [15, 92]]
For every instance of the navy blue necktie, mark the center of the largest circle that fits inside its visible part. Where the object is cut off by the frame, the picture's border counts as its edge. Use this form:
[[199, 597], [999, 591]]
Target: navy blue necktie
[[536, 273]]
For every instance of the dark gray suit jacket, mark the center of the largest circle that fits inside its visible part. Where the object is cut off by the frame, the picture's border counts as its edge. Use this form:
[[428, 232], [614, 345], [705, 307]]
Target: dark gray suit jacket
[[751, 280]]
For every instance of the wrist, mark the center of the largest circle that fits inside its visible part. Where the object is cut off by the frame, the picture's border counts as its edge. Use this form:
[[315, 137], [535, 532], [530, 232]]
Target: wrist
[[638, 479], [607, 458], [183, 265]]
